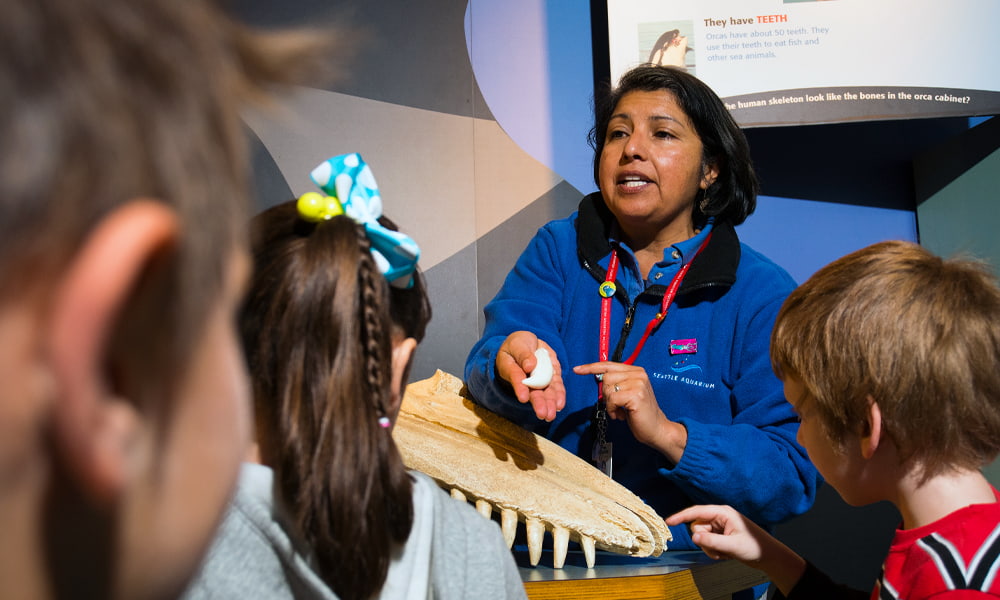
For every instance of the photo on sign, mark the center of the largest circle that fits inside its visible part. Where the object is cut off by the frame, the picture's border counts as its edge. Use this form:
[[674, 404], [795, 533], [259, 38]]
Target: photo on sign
[[667, 43]]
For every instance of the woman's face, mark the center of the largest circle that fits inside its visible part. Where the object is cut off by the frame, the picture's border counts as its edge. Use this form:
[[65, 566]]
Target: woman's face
[[651, 170]]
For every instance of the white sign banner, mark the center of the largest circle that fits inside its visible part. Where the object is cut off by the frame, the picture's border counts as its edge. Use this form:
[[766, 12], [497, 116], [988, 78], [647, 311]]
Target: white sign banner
[[778, 62]]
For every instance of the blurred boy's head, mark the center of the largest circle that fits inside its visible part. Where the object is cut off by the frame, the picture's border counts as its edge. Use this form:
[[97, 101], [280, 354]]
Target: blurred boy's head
[[123, 413], [894, 325]]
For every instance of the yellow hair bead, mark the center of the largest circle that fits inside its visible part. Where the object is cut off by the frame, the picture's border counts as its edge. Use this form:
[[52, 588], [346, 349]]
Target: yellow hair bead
[[315, 207]]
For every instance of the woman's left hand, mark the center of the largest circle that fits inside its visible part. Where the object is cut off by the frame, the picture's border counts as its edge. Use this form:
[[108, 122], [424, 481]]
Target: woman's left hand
[[629, 396]]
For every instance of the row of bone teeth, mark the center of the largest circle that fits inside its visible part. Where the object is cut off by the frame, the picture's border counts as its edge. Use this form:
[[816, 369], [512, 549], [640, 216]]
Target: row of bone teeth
[[535, 532]]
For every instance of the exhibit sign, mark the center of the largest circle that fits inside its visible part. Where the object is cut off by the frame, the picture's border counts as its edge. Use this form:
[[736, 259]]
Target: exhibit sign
[[783, 62]]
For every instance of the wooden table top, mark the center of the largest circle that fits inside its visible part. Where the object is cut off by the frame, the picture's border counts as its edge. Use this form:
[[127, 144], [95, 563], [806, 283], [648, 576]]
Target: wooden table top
[[684, 575]]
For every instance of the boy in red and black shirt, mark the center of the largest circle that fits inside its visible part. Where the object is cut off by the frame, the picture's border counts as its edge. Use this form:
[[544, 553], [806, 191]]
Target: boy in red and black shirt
[[890, 357]]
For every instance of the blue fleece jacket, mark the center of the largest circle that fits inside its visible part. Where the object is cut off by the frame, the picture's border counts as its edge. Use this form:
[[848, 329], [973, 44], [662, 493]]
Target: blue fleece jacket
[[741, 447]]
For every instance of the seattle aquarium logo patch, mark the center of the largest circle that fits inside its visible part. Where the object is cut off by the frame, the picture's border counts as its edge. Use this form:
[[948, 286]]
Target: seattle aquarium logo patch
[[682, 351], [683, 369]]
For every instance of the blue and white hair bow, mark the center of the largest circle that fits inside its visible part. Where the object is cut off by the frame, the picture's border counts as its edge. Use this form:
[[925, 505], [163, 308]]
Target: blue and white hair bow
[[351, 189]]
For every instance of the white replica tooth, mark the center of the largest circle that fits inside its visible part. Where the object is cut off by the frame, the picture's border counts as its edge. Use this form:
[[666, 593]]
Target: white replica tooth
[[535, 530], [508, 525], [587, 543], [484, 508], [458, 495], [560, 545], [541, 376]]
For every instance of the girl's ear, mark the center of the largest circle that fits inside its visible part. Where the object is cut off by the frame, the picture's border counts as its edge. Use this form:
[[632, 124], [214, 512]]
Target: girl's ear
[[871, 436], [93, 428], [402, 356]]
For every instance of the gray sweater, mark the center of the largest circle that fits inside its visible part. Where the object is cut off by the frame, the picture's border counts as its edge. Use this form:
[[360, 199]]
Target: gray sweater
[[453, 553]]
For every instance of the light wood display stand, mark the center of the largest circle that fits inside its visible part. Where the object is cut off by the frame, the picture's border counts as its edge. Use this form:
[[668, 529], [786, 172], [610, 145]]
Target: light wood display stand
[[682, 575]]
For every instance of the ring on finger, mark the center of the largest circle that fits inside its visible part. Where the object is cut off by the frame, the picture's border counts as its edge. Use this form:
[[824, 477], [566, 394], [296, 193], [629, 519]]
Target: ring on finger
[[599, 377], [616, 387]]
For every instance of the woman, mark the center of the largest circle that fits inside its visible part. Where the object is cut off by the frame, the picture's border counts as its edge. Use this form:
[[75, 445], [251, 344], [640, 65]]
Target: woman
[[685, 410], [334, 312]]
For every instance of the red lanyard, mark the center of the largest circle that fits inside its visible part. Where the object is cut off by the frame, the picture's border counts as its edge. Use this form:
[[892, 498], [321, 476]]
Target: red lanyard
[[668, 298]]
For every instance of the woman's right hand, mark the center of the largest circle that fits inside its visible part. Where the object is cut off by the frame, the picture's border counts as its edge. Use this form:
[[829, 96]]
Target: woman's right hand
[[516, 360]]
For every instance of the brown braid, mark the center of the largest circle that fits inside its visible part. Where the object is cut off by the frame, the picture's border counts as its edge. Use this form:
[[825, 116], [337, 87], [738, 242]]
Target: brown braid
[[372, 331]]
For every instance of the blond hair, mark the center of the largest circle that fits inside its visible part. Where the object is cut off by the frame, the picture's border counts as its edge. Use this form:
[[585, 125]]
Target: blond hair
[[918, 334]]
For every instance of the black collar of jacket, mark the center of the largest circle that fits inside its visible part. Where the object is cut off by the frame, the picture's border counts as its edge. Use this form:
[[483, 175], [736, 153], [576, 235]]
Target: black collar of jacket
[[715, 266]]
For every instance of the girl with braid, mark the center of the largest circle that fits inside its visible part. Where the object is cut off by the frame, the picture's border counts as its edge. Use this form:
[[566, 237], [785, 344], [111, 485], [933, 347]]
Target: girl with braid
[[335, 310]]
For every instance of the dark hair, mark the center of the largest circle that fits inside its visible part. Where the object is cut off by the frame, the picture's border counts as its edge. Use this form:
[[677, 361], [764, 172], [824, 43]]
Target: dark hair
[[918, 334], [106, 101], [318, 327], [733, 195]]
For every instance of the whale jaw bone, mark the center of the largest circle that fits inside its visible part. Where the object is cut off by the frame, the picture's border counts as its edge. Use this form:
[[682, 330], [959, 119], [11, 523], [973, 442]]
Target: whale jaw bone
[[485, 459]]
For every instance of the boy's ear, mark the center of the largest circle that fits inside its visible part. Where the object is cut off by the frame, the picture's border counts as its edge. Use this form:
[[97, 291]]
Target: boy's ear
[[93, 428], [871, 436], [402, 354]]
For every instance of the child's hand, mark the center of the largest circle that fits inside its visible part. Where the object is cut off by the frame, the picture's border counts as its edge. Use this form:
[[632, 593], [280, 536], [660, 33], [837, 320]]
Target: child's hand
[[722, 532]]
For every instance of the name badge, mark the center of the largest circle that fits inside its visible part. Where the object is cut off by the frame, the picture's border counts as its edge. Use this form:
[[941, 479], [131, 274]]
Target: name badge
[[688, 346], [601, 457]]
